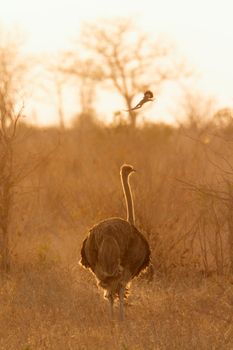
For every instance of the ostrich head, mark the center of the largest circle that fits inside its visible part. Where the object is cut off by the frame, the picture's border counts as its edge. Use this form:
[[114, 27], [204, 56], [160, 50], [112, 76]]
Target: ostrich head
[[126, 170]]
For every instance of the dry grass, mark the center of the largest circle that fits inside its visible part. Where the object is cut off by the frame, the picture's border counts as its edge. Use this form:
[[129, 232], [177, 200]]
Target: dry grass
[[51, 307], [49, 302]]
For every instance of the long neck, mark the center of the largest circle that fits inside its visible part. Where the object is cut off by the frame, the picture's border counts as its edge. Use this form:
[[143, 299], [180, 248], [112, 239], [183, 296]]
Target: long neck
[[128, 199]]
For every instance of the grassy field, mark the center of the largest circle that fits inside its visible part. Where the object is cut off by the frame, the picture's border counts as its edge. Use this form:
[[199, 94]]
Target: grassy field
[[70, 181], [51, 307]]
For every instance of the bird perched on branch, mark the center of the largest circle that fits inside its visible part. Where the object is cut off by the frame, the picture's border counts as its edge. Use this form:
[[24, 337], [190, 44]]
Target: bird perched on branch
[[148, 96], [115, 251]]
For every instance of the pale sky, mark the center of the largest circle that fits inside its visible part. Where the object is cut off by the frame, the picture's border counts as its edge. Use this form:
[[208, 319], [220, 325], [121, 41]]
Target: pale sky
[[202, 30]]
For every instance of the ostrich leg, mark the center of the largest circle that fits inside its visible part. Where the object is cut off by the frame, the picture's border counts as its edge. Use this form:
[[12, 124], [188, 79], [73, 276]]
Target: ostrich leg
[[121, 298], [111, 302]]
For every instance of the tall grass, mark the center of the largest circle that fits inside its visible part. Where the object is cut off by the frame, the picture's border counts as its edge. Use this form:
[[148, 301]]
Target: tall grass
[[182, 192]]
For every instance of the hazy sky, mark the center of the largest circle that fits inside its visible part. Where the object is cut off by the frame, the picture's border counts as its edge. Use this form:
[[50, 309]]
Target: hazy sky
[[202, 29]]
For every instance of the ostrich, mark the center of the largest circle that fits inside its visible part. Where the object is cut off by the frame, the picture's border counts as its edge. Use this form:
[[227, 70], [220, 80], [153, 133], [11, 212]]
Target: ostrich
[[115, 251]]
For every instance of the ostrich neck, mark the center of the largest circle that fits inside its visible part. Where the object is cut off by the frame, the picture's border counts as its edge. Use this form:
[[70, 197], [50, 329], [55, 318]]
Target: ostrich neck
[[128, 199]]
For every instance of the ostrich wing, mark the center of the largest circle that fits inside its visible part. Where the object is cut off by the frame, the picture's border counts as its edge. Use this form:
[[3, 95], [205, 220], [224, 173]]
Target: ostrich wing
[[137, 257], [114, 244]]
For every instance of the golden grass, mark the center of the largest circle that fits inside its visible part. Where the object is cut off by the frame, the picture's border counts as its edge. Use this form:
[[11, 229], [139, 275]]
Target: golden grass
[[49, 302], [52, 307]]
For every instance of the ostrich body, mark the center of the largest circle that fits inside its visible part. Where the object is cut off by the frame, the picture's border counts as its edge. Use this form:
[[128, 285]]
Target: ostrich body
[[115, 250]]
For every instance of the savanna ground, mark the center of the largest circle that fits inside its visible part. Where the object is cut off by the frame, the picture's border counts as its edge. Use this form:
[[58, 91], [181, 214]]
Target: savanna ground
[[183, 201]]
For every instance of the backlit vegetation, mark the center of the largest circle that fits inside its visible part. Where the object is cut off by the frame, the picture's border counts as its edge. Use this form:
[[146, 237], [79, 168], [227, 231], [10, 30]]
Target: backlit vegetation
[[49, 302], [56, 183]]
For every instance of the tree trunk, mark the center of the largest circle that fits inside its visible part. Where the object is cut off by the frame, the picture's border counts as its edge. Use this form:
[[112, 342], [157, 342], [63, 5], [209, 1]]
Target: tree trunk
[[132, 114], [132, 117]]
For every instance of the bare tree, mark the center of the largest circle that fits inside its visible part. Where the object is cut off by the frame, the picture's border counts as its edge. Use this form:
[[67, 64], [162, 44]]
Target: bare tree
[[12, 69], [223, 118], [59, 81], [129, 59], [83, 71], [197, 109]]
